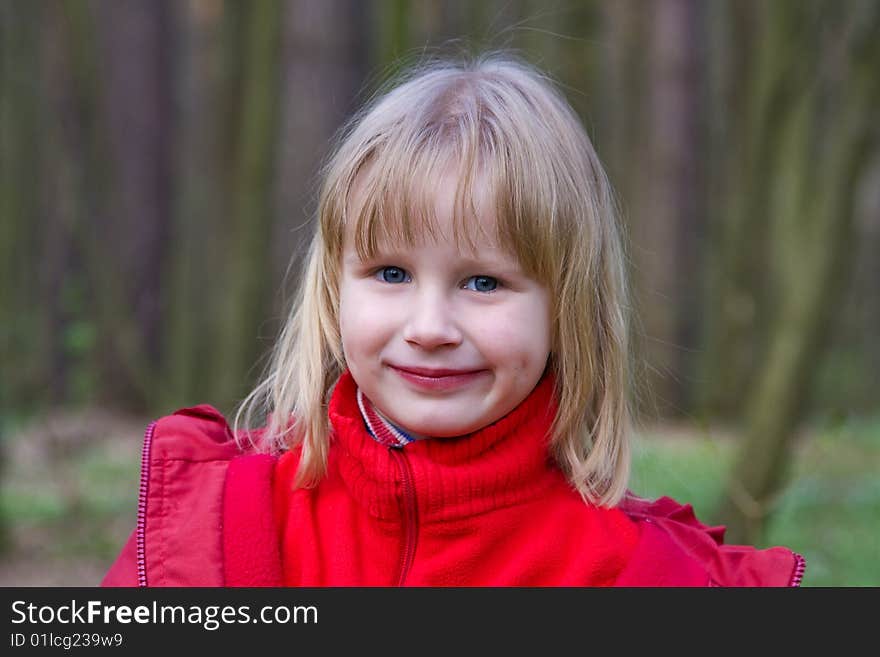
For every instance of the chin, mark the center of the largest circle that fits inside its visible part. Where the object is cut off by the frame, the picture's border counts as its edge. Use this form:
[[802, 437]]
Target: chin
[[450, 431], [437, 430], [447, 433]]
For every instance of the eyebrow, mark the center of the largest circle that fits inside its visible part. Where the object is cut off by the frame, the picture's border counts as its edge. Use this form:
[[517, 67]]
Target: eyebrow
[[507, 264]]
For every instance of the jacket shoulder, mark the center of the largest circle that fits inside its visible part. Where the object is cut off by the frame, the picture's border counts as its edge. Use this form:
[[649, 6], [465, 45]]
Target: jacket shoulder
[[676, 548], [196, 433], [178, 540]]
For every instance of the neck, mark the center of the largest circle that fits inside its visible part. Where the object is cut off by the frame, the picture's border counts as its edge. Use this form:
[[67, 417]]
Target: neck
[[411, 434], [382, 429]]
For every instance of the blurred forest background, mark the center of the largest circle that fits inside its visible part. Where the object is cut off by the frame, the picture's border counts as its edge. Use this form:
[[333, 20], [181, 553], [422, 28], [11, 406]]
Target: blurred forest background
[[158, 164]]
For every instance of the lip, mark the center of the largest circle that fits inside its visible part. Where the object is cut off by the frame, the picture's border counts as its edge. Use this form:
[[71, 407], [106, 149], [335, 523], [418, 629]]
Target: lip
[[437, 379]]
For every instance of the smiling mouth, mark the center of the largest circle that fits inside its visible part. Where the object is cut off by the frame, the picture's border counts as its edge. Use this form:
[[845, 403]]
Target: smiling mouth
[[433, 373], [437, 379]]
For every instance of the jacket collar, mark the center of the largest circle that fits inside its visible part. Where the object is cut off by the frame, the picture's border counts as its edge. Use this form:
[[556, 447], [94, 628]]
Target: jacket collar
[[502, 464]]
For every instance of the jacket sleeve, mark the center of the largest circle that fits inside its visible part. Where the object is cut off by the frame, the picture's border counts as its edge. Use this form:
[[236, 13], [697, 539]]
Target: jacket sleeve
[[672, 531], [123, 572]]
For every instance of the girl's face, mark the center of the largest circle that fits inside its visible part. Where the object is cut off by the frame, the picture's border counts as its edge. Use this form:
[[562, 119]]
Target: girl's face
[[443, 342]]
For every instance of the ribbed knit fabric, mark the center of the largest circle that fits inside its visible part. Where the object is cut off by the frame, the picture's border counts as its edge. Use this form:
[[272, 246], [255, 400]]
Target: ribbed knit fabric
[[489, 508], [499, 465]]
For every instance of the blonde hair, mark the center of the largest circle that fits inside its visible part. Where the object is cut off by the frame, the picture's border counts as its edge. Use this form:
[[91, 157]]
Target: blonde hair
[[502, 124]]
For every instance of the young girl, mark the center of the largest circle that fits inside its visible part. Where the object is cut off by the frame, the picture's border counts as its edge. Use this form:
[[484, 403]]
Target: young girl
[[447, 404]]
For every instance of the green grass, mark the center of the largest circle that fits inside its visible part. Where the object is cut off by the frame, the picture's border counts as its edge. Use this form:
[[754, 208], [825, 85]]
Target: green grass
[[829, 512], [79, 508]]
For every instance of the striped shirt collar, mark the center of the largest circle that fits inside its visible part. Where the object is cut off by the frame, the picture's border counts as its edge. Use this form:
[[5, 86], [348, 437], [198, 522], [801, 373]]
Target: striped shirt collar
[[381, 428]]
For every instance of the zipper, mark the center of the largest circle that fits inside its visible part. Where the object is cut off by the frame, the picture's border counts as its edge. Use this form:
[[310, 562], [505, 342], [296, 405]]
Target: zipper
[[799, 568], [140, 535], [410, 515]]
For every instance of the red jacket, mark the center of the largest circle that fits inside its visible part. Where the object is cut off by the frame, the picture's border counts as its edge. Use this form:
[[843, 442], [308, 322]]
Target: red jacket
[[485, 510]]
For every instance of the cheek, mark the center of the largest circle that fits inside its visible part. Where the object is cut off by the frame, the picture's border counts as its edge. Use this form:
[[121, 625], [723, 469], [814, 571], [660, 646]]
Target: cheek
[[362, 324], [519, 337], [348, 320]]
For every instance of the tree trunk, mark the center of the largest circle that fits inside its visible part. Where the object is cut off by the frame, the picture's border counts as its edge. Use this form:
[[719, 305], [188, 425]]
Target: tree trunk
[[23, 342], [770, 62], [248, 287], [63, 287], [326, 62], [22, 321], [391, 28], [136, 46], [622, 116], [126, 376], [666, 230], [195, 250], [812, 207]]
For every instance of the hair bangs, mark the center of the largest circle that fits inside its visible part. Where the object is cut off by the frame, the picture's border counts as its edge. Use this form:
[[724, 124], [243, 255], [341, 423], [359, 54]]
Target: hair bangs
[[392, 195], [395, 197], [523, 214]]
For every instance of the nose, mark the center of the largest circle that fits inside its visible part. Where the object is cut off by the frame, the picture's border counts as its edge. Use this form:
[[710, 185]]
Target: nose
[[431, 321]]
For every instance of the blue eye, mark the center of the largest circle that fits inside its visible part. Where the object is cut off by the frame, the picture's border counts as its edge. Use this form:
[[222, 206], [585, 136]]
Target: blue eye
[[393, 275], [482, 284]]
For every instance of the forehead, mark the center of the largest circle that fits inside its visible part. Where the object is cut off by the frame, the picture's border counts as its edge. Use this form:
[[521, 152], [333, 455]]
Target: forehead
[[447, 209]]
